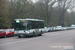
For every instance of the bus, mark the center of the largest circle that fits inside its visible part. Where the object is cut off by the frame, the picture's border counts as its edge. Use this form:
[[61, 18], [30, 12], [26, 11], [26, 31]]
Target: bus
[[28, 27]]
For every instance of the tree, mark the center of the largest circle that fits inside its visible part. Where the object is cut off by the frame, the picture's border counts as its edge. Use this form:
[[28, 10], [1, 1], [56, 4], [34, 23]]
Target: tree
[[63, 6], [19, 9], [3, 14], [46, 9]]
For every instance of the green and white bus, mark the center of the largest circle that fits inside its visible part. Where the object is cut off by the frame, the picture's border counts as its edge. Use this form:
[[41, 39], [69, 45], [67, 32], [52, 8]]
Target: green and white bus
[[28, 27]]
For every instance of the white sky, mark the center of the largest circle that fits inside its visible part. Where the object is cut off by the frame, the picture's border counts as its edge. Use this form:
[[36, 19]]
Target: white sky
[[35, 1]]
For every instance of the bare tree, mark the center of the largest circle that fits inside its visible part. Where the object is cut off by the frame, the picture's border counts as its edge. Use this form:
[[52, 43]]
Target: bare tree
[[63, 6], [48, 8]]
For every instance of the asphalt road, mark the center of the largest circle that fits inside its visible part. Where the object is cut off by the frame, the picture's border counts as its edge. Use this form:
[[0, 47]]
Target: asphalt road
[[61, 40]]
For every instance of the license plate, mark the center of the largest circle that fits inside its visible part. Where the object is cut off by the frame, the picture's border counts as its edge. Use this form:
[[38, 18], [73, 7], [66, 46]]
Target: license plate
[[21, 35]]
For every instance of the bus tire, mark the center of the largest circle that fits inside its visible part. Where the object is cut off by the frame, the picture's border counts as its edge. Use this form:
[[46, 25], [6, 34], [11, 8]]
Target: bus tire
[[19, 36], [40, 34]]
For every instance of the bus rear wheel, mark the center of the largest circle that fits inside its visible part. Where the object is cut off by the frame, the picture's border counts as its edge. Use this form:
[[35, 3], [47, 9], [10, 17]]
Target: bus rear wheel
[[33, 34], [40, 35]]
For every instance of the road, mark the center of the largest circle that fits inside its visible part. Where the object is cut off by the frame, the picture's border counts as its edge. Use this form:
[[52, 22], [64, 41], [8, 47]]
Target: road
[[61, 40]]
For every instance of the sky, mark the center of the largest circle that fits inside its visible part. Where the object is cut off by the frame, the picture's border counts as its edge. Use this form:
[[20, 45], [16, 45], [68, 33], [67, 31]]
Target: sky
[[35, 1]]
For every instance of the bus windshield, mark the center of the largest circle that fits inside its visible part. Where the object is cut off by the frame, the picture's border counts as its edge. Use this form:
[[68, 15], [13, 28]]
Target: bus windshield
[[21, 26]]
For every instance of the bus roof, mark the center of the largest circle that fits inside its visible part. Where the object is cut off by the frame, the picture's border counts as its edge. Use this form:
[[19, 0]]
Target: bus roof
[[30, 19]]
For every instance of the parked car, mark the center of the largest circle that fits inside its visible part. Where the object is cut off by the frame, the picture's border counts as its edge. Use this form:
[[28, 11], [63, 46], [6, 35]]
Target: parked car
[[49, 29], [2, 33], [64, 28], [59, 28], [46, 29], [9, 32], [54, 29]]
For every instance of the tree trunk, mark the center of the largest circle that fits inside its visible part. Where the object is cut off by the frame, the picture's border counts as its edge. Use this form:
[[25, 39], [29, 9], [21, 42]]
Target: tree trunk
[[63, 15], [47, 13]]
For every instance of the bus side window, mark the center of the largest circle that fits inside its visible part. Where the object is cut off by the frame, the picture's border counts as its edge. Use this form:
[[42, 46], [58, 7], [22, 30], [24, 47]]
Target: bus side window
[[30, 26]]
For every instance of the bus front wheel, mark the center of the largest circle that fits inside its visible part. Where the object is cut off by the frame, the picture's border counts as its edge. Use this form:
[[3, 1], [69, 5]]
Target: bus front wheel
[[19, 36]]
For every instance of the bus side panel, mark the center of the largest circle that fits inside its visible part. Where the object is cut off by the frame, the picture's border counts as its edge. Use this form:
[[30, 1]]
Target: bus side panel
[[32, 31]]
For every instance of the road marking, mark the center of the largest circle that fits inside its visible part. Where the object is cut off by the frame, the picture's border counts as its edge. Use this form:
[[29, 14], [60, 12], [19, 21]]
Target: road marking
[[15, 42]]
